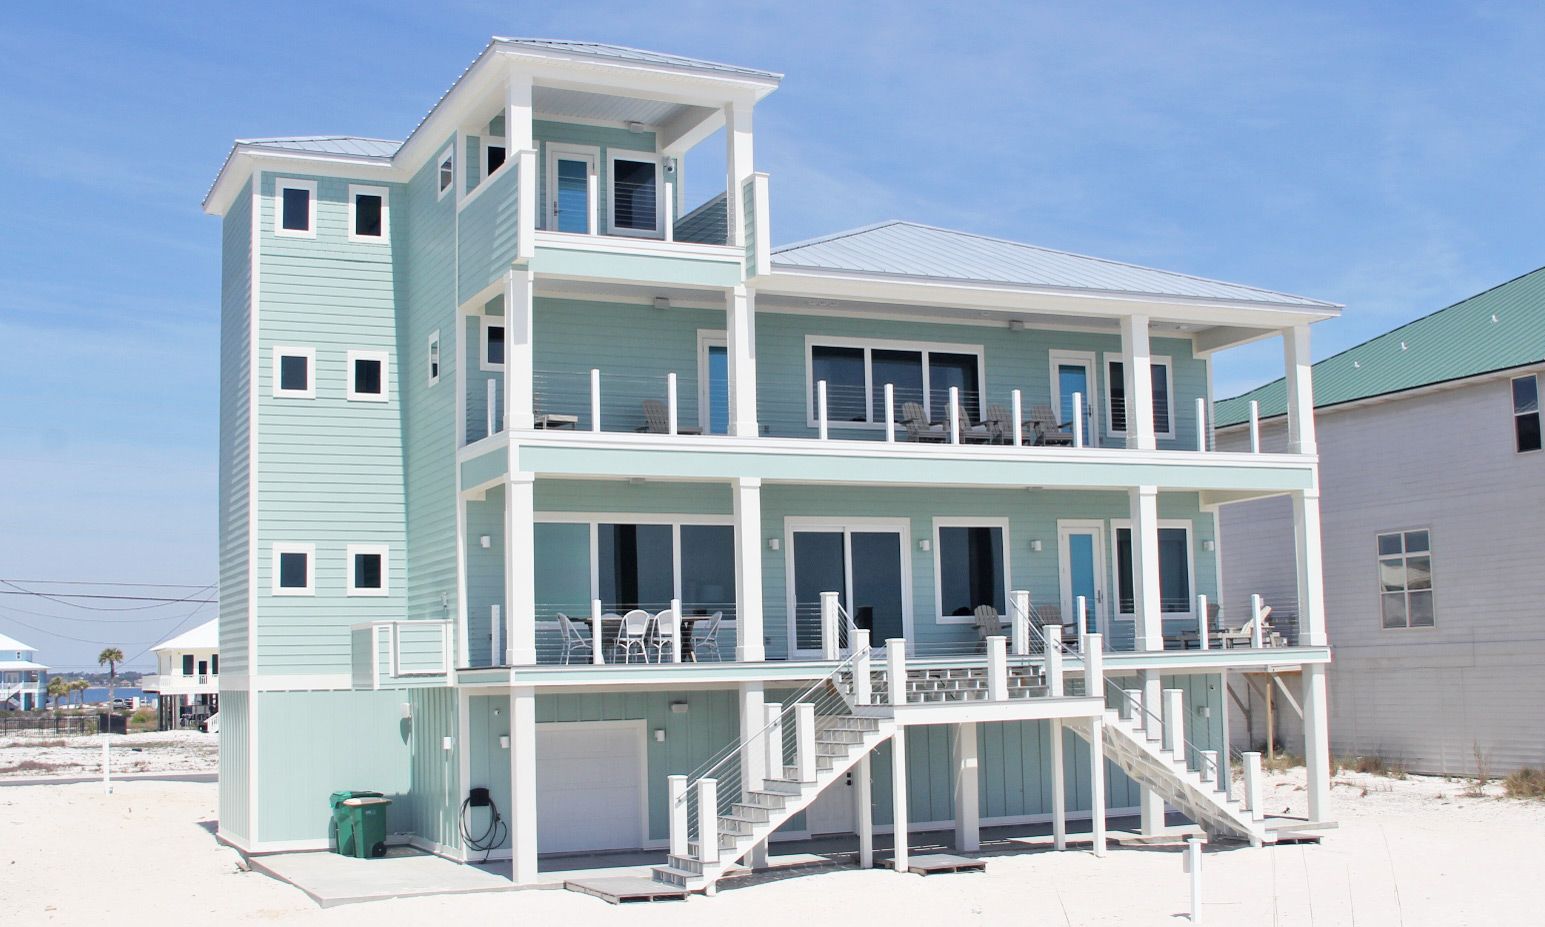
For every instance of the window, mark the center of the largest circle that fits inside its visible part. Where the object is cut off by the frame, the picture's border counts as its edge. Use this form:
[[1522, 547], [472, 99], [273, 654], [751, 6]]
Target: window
[[367, 376], [447, 169], [292, 373], [368, 213], [432, 357], [492, 356], [635, 193], [1526, 413], [971, 563], [292, 569], [634, 566], [856, 373], [493, 154], [1116, 397], [1175, 569], [214, 663], [295, 208], [367, 566], [187, 664], [1405, 579]]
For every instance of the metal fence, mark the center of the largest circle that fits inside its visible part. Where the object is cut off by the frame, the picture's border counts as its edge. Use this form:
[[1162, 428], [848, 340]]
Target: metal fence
[[49, 724]]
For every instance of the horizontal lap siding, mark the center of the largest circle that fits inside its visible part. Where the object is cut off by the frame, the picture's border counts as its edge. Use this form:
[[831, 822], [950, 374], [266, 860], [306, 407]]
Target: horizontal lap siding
[[486, 234], [331, 470], [235, 414]]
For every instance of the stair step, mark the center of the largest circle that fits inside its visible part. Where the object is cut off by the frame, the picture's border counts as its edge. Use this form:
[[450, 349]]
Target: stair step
[[773, 801], [679, 878], [836, 735], [786, 786], [684, 863], [826, 749], [736, 825], [756, 813]]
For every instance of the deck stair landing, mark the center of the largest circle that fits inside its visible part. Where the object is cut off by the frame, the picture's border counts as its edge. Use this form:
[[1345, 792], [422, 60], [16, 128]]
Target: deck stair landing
[[935, 863]]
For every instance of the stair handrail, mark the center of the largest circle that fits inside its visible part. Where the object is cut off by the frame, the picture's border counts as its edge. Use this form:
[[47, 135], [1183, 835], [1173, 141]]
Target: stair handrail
[[1235, 756]]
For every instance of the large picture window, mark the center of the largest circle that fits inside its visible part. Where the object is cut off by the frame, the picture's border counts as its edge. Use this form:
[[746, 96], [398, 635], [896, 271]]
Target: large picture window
[[856, 373], [1405, 579], [635, 202], [972, 568], [1526, 413], [1116, 397], [1175, 570]]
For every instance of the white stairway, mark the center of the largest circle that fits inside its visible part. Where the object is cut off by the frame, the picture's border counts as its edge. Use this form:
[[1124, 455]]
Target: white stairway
[[1147, 762]]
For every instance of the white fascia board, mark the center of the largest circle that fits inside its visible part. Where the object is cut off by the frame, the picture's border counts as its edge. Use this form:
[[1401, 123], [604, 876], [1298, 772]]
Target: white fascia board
[[246, 160], [643, 76]]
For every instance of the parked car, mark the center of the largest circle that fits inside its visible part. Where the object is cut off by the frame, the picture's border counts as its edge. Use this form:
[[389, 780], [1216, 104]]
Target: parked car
[[123, 703]]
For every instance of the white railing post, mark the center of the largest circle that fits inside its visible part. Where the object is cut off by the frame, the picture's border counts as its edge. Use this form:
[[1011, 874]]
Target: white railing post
[[997, 668], [896, 670], [670, 403], [676, 631], [676, 794], [1016, 406], [774, 744], [1131, 707], [597, 645], [890, 413], [708, 821], [1078, 419], [1202, 631], [1209, 765], [1255, 621], [1253, 785], [863, 693], [954, 416], [1019, 614], [1201, 424], [829, 609], [1175, 723], [804, 741], [595, 399], [820, 409], [1053, 634], [493, 405], [1081, 612], [1255, 427], [1094, 669]]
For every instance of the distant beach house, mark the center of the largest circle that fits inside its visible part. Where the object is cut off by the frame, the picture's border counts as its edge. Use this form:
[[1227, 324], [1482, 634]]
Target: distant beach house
[[187, 678], [23, 680], [1433, 498]]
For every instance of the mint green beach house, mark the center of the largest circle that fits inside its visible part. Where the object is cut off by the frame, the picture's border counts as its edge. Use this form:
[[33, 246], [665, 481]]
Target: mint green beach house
[[574, 517]]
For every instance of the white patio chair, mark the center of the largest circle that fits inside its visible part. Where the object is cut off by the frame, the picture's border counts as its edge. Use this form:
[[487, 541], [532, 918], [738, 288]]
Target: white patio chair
[[708, 639], [632, 633], [666, 624], [576, 639]]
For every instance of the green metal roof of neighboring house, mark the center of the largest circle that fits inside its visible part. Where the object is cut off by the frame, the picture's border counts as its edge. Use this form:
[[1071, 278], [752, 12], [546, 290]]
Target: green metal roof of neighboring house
[[909, 249], [1500, 329]]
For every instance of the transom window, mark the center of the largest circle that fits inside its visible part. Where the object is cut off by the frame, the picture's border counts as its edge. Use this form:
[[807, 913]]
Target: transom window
[[635, 201], [367, 213], [856, 374], [972, 568], [1526, 413], [1405, 579], [295, 208], [367, 375], [447, 169], [1116, 397], [292, 372], [1175, 570], [367, 565]]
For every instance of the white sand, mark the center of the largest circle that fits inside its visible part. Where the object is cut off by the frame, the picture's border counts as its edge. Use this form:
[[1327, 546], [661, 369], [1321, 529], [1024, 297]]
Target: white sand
[[31, 756], [1409, 852]]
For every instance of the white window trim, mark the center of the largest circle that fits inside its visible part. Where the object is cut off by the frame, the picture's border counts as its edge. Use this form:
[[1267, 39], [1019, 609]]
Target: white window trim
[[1169, 383], [793, 524], [1116, 524], [310, 550], [385, 553], [485, 142], [386, 381], [870, 393], [283, 351], [285, 183], [356, 190], [487, 322], [449, 154], [586, 153], [434, 359], [938, 569], [1432, 576], [708, 338], [1056, 358], [613, 155]]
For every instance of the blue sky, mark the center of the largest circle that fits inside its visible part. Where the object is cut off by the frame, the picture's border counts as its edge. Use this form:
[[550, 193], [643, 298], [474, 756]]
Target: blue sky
[[1385, 156]]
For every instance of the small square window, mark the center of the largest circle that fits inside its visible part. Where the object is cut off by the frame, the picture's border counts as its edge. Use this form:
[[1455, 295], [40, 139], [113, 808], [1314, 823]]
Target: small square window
[[368, 213], [295, 208], [493, 345], [434, 358], [292, 372], [292, 569], [447, 178], [367, 569], [367, 376]]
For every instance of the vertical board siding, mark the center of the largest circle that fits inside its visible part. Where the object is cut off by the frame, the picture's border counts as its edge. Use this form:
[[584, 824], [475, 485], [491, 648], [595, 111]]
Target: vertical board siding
[[330, 469], [488, 719], [235, 765], [433, 778], [235, 413], [485, 574]]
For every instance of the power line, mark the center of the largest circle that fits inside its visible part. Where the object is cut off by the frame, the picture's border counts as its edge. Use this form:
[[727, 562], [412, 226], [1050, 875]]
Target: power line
[[93, 582], [51, 616], [63, 597]]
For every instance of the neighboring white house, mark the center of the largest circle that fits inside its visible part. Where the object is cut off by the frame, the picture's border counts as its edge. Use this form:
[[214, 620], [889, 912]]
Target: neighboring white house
[[23, 680], [187, 678], [1433, 504]]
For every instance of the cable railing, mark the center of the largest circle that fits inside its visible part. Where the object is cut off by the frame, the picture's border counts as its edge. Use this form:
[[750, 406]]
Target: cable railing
[[1168, 721]]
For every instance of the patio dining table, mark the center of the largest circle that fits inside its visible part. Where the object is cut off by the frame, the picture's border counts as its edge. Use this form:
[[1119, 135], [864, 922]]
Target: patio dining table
[[612, 621]]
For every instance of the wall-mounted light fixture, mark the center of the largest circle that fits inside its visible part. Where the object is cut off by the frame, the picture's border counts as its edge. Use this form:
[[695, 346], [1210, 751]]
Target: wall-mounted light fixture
[[504, 741], [1209, 545], [774, 543], [407, 711], [486, 541], [1035, 545], [659, 735], [1016, 325], [924, 544], [447, 743], [662, 302], [636, 127], [678, 708]]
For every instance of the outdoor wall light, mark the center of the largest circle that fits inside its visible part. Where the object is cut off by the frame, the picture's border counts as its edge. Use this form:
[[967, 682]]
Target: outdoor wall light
[[486, 541], [924, 544], [447, 743], [662, 302], [1035, 545], [504, 741], [407, 711], [774, 543], [1209, 545], [679, 708], [659, 735]]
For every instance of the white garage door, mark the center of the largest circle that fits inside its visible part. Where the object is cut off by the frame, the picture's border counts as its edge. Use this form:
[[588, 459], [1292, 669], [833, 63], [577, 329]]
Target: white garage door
[[589, 787]]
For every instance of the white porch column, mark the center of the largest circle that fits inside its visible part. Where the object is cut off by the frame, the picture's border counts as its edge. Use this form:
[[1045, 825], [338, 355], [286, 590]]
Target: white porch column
[[753, 766], [968, 825], [519, 570], [899, 820], [1149, 629], [1317, 740], [1298, 368], [1097, 784], [747, 493], [1311, 568], [519, 363], [1137, 376], [523, 807], [519, 154], [738, 166], [517, 114], [1059, 790], [863, 811], [740, 336]]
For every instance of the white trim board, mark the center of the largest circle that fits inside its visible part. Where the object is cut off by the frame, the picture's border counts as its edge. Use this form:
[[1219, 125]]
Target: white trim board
[[869, 345]]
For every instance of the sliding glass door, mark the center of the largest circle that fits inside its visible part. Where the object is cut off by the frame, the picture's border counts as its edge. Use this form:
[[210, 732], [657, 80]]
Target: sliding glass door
[[863, 564]]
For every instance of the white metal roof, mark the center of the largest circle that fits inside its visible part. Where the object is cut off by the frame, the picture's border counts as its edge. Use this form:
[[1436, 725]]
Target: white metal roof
[[909, 249], [329, 144], [204, 637], [20, 665], [625, 54], [11, 643]]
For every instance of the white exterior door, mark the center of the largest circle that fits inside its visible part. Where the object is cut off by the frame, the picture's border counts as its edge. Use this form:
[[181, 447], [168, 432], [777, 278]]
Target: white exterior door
[[832, 810], [590, 790]]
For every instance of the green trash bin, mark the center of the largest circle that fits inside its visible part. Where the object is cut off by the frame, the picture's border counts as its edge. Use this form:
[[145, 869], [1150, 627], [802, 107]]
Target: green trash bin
[[359, 819]]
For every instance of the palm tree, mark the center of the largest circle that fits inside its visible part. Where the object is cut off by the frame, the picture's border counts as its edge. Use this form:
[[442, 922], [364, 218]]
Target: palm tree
[[111, 656], [57, 689], [79, 687]]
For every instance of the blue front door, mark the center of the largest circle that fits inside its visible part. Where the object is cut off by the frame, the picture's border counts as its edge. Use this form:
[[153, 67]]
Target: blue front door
[[1074, 378], [1081, 552]]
